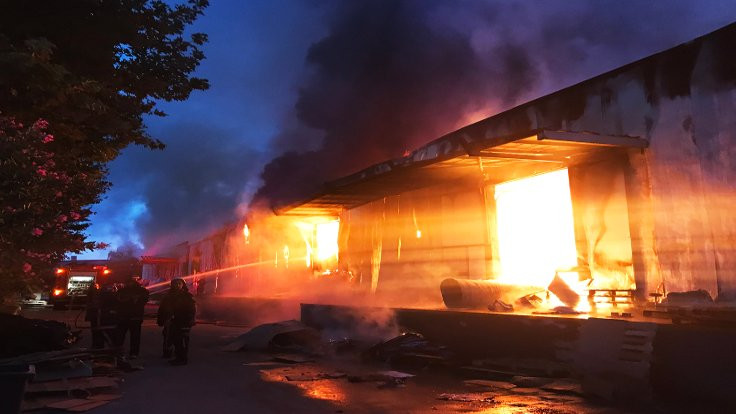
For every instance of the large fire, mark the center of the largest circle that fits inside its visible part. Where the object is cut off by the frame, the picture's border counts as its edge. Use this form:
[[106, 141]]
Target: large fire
[[326, 240], [319, 235], [519, 237], [535, 228], [536, 233]]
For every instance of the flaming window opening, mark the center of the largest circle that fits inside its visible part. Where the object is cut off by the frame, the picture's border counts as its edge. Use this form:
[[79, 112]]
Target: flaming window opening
[[536, 233], [320, 238]]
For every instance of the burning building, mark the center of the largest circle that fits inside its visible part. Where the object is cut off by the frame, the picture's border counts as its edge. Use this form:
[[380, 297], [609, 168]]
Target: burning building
[[618, 188], [608, 198]]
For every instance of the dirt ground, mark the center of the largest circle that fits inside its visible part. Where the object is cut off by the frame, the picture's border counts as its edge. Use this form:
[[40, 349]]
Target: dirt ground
[[216, 381]]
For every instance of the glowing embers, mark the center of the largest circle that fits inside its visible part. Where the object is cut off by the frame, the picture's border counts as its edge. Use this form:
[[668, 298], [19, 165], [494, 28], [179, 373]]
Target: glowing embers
[[320, 237], [536, 236]]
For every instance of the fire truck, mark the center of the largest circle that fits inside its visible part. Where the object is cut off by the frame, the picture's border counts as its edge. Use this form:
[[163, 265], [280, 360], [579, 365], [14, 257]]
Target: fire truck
[[74, 278]]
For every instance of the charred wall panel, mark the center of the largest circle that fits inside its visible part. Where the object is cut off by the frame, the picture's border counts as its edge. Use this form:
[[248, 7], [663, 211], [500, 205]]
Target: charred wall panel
[[682, 102], [416, 239], [602, 223]]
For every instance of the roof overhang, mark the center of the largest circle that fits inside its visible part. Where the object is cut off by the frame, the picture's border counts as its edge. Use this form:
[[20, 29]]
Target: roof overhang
[[455, 158]]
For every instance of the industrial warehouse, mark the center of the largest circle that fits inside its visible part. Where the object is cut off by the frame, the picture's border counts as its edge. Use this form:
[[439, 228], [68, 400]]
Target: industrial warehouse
[[623, 178], [368, 207], [606, 206]]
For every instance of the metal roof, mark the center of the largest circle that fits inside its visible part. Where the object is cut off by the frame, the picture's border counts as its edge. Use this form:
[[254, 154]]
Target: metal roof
[[454, 157]]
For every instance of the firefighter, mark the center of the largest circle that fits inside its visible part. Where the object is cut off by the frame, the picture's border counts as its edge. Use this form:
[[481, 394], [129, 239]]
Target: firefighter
[[92, 315], [108, 314], [176, 315], [132, 299]]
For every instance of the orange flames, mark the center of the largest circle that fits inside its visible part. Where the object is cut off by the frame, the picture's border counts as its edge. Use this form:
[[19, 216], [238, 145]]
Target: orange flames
[[536, 237], [521, 233], [535, 228], [320, 238]]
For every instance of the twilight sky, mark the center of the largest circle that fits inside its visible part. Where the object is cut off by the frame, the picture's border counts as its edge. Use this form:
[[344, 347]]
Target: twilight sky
[[300, 87]]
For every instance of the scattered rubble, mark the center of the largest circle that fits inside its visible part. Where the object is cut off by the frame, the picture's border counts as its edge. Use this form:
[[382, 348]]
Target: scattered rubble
[[19, 335], [407, 345], [500, 306], [71, 386], [563, 292], [315, 377], [72, 380], [291, 359], [381, 376], [492, 385], [78, 405], [529, 302], [559, 310], [527, 382], [290, 334], [531, 367], [467, 397], [693, 297], [563, 387]]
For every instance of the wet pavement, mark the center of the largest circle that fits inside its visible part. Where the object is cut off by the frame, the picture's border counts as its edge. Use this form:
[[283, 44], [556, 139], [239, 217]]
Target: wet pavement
[[231, 382]]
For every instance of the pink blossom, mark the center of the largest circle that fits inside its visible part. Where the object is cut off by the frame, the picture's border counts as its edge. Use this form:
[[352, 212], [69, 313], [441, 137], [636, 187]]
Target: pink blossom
[[75, 215], [26, 267], [41, 124], [62, 218], [42, 172], [58, 194], [37, 232], [48, 138]]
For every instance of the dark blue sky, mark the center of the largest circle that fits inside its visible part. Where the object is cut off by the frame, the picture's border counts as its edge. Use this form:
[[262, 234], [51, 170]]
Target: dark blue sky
[[452, 61]]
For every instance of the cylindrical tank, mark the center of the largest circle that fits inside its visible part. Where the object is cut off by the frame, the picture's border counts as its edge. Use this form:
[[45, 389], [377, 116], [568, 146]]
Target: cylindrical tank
[[478, 294]]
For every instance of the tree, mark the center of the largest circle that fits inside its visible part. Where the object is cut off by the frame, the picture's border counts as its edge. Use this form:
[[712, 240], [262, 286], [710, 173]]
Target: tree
[[77, 78]]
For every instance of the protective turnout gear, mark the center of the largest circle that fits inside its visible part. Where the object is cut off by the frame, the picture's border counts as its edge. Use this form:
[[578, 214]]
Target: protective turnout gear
[[132, 301], [176, 315]]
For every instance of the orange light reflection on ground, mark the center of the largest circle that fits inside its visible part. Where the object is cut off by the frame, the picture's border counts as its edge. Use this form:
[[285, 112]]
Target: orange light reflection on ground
[[322, 389]]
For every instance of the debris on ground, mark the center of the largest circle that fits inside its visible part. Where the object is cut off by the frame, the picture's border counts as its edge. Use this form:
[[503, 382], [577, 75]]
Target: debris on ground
[[289, 334], [529, 302], [533, 367], [500, 306], [492, 385], [692, 297], [563, 387], [269, 363], [315, 377], [291, 359], [342, 345], [19, 335], [559, 310], [527, 382], [73, 368], [78, 405], [563, 292], [407, 345], [467, 397], [70, 386], [73, 380], [380, 376]]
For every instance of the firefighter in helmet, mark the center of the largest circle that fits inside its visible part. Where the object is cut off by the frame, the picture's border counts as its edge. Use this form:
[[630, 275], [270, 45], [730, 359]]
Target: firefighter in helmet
[[176, 315]]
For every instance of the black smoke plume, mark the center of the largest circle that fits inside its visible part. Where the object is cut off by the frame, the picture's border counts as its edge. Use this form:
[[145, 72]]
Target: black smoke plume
[[392, 75]]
